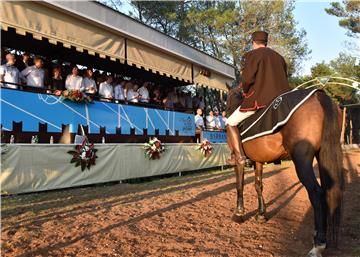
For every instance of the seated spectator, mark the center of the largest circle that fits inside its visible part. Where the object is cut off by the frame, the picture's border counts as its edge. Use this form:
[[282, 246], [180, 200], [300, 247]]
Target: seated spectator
[[210, 121], [106, 89], [88, 83], [188, 101], [199, 121], [196, 101], [9, 73], [201, 103], [56, 81], [144, 93], [157, 97], [119, 91], [35, 75], [181, 100], [132, 94], [74, 81], [223, 120], [24, 62]]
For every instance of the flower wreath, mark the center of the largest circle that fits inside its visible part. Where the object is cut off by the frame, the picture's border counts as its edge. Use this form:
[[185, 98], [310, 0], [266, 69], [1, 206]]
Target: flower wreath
[[205, 148], [154, 148], [74, 96], [84, 155]]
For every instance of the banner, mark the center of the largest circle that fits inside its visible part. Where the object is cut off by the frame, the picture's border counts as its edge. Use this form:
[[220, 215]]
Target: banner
[[32, 108], [214, 136]]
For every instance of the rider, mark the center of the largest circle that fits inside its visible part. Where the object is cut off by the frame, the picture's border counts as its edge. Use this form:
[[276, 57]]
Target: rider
[[263, 78]]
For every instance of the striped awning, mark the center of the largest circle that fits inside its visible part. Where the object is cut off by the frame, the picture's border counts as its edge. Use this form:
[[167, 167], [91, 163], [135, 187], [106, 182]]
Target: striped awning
[[44, 22]]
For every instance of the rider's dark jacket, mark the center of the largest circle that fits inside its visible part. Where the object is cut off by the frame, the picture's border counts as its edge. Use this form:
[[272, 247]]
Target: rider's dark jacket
[[264, 77]]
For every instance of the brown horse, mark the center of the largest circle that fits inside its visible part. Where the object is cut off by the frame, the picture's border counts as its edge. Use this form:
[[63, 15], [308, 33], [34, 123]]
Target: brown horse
[[312, 131]]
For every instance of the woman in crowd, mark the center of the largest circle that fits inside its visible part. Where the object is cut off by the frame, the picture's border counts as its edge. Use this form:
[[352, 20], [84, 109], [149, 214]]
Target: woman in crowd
[[56, 81], [74, 81], [119, 90], [132, 94], [106, 89], [88, 83], [157, 97]]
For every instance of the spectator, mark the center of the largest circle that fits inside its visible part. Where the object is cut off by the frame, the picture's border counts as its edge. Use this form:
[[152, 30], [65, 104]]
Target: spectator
[[144, 93], [56, 81], [74, 81], [196, 101], [9, 73], [181, 100], [210, 121], [223, 120], [119, 91], [106, 89], [201, 103], [24, 62], [188, 101], [199, 121], [217, 119], [132, 94], [157, 99], [35, 75], [88, 83]]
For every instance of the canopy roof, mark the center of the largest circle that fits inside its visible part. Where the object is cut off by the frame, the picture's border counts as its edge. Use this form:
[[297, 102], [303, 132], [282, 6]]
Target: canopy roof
[[93, 27]]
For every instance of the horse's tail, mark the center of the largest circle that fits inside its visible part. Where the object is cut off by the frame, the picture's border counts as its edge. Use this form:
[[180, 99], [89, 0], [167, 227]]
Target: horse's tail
[[331, 165]]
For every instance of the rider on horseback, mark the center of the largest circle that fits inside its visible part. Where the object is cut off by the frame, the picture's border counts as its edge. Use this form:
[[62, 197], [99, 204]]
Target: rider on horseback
[[263, 78]]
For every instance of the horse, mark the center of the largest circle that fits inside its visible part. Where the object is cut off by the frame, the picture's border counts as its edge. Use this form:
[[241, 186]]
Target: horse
[[313, 131]]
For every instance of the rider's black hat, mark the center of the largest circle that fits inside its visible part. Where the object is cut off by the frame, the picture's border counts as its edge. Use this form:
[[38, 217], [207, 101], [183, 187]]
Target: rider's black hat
[[260, 36]]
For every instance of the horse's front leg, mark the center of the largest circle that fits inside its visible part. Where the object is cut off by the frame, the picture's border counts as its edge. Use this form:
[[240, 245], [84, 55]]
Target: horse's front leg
[[239, 174], [259, 189]]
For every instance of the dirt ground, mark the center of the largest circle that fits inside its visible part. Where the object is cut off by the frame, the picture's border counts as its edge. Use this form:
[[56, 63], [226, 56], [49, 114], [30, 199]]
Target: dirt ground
[[180, 216]]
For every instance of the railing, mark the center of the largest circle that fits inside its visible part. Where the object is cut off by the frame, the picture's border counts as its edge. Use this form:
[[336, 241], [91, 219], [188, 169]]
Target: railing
[[49, 91]]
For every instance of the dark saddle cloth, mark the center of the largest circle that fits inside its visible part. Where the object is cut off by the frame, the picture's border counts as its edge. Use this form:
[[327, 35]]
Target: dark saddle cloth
[[267, 120]]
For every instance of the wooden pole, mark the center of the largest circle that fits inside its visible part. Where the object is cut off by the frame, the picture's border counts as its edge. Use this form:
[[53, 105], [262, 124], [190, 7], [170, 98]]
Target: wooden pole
[[342, 138]]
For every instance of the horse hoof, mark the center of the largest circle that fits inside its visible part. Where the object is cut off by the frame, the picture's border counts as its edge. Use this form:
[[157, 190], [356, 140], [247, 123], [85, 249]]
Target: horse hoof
[[239, 212], [260, 218], [316, 251]]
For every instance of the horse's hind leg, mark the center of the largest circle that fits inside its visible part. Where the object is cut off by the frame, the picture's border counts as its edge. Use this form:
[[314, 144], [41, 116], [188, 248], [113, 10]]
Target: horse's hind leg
[[259, 189], [303, 155]]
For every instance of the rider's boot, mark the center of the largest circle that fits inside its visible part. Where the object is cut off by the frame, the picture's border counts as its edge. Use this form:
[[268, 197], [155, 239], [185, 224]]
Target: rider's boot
[[237, 157]]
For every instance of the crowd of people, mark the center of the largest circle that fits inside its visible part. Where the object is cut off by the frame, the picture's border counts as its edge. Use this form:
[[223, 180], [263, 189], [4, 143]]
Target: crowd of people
[[40, 73], [213, 121], [36, 72]]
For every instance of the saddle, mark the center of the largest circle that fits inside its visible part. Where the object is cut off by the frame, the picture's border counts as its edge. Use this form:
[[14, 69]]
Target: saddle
[[268, 120]]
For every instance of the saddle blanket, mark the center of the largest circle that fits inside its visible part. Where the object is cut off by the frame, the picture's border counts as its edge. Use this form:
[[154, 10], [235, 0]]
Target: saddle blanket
[[267, 120]]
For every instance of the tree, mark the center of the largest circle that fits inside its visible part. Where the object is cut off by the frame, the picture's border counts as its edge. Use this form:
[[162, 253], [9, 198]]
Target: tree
[[349, 12], [321, 69], [223, 28]]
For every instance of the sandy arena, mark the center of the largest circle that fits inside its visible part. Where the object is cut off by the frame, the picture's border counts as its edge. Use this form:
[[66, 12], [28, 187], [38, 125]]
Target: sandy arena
[[179, 216]]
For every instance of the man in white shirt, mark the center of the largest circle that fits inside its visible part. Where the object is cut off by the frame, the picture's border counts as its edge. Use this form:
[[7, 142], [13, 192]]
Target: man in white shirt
[[74, 81], [210, 121], [119, 91], [144, 93], [9, 73], [35, 75], [88, 84], [106, 89], [223, 120], [199, 121]]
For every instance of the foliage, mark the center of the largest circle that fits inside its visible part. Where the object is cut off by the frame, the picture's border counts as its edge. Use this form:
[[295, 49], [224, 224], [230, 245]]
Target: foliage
[[349, 12], [223, 28]]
